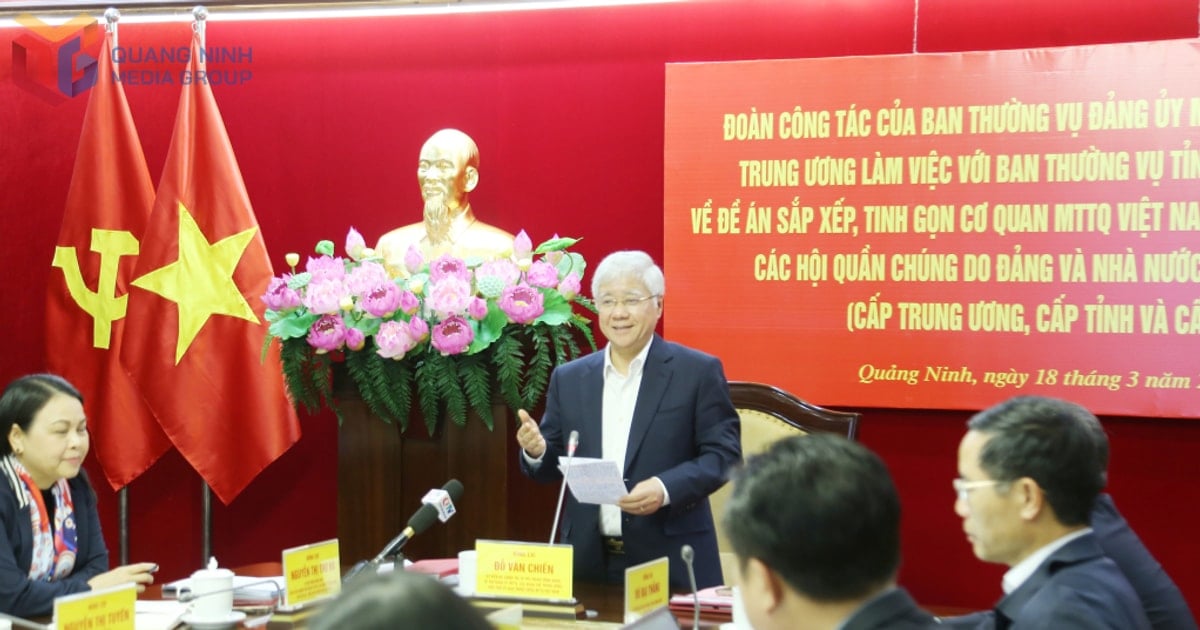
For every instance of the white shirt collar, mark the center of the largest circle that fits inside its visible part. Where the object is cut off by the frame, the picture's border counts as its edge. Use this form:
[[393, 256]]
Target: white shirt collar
[[1016, 576], [635, 365]]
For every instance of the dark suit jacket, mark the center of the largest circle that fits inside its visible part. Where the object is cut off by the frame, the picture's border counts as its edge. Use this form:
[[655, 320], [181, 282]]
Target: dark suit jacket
[[684, 431], [893, 610], [1076, 587], [23, 597], [1162, 600]]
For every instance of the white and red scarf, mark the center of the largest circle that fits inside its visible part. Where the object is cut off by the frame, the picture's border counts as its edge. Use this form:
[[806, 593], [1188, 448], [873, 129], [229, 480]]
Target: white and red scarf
[[53, 548]]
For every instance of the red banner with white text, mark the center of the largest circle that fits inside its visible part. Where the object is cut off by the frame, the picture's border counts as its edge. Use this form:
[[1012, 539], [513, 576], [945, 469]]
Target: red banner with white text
[[943, 231]]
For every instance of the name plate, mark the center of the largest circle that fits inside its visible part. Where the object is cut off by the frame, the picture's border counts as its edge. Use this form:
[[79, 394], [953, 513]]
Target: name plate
[[311, 572], [105, 609], [517, 569], [647, 588]]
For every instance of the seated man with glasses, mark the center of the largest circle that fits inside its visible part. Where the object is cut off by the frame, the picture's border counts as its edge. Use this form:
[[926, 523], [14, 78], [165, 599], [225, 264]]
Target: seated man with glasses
[[1030, 470], [661, 411]]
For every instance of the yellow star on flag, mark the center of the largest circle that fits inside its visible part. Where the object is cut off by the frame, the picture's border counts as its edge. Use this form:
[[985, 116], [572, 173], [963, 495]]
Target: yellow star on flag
[[201, 282]]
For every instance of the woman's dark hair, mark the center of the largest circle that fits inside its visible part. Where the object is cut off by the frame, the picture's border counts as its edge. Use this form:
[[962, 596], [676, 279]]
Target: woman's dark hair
[[26, 396], [399, 600]]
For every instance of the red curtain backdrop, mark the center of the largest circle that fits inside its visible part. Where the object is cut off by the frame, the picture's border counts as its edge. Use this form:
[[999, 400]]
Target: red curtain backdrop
[[567, 107]]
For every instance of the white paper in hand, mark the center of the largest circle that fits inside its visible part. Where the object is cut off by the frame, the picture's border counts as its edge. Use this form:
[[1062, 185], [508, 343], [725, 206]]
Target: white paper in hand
[[594, 480]]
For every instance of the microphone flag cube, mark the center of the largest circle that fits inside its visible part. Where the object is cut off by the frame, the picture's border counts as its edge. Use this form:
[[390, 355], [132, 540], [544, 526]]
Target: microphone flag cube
[[440, 500]]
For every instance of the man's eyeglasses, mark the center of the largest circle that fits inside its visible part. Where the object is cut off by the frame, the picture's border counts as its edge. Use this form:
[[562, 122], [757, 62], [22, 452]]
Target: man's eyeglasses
[[962, 487], [609, 304]]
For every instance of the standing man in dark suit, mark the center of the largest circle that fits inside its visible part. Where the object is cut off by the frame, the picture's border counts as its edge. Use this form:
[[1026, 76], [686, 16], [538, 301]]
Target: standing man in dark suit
[[1030, 470], [661, 411], [815, 523]]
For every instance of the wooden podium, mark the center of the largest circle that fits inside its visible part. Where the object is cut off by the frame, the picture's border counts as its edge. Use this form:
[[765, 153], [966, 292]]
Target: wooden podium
[[382, 476]]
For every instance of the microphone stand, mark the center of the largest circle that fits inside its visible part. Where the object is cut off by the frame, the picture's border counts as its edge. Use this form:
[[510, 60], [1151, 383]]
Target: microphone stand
[[572, 444], [689, 557]]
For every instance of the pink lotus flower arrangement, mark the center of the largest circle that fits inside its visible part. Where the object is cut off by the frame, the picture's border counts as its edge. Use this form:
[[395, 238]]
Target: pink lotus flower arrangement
[[448, 333]]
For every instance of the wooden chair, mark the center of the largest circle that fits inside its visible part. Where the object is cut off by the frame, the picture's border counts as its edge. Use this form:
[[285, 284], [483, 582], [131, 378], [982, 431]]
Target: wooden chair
[[769, 414]]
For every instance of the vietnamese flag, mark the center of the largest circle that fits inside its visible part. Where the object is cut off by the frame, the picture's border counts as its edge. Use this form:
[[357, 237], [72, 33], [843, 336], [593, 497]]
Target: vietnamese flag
[[108, 204], [196, 328]]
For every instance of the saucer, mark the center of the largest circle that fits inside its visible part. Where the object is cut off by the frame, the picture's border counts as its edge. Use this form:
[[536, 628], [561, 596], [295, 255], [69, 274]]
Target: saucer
[[214, 624]]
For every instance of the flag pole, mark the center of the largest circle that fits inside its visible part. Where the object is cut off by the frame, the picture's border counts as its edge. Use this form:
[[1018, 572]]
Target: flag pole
[[111, 17], [200, 20], [205, 523]]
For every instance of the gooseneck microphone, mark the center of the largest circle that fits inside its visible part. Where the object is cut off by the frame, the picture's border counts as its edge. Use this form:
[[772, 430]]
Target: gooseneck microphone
[[689, 558], [437, 505], [572, 444]]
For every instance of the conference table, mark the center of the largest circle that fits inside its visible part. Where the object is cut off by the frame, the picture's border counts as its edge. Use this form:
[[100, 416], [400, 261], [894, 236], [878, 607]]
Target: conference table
[[606, 601]]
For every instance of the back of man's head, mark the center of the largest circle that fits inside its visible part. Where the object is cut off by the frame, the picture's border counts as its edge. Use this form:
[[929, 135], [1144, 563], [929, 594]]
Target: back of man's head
[[1058, 444], [820, 511]]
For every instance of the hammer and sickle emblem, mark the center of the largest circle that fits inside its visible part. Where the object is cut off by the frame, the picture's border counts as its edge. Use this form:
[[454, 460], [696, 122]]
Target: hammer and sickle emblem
[[103, 304]]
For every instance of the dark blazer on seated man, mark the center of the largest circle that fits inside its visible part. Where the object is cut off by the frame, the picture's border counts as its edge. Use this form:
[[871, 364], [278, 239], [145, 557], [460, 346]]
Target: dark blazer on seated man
[[1076, 587], [1161, 598], [684, 431], [893, 610]]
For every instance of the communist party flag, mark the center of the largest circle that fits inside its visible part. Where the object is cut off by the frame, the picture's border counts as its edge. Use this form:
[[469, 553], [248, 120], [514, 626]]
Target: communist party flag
[[196, 325], [108, 203]]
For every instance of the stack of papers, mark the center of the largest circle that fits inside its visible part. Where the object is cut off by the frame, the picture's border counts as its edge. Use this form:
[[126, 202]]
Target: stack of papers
[[593, 480], [716, 603]]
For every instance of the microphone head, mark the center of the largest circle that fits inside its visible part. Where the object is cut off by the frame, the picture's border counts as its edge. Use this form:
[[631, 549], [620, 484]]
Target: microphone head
[[454, 488], [572, 442], [426, 516], [687, 553]]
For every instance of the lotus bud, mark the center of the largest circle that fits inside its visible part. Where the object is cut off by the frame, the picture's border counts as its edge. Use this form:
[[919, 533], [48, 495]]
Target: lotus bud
[[292, 259], [355, 244], [347, 303]]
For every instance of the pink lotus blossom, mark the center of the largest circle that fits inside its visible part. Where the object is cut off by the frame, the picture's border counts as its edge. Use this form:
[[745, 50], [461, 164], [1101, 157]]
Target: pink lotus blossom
[[413, 259], [279, 296], [326, 268], [522, 250], [355, 339], [365, 277], [569, 287], [355, 244], [522, 303], [324, 297], [409, 302], [478, 308], [450, 296], [382, 301], [447, 266], [452, 336], [542, 275], [394, 340], [327, 333], [491, 277]]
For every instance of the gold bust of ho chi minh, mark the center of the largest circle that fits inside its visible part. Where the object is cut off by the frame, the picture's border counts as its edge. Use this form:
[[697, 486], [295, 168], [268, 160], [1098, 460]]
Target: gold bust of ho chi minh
[[447, 172]]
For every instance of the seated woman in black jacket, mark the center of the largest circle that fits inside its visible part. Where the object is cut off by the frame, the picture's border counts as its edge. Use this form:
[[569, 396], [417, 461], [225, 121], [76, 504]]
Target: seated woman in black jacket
[[50, 539]]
